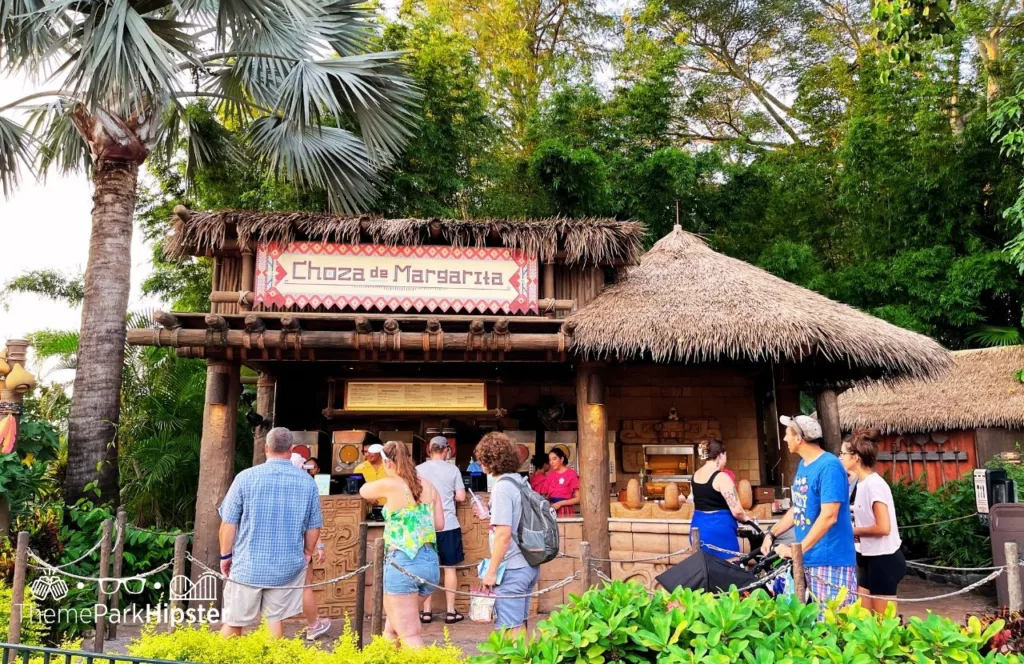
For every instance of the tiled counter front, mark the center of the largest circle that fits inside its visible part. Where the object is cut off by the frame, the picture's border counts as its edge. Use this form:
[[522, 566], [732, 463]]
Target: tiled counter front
[[645, 538], [340, 534]]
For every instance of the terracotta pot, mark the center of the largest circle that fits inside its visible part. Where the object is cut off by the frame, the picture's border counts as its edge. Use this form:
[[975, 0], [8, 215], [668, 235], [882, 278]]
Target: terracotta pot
[[634, 500], [746, 493]]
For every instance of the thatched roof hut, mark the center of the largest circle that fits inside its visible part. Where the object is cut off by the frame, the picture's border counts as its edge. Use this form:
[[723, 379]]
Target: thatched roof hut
[[688, 303], [579, 241], [980, 391]]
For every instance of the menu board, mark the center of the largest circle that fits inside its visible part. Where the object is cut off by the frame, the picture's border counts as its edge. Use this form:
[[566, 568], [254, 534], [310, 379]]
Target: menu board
[[410, 396]]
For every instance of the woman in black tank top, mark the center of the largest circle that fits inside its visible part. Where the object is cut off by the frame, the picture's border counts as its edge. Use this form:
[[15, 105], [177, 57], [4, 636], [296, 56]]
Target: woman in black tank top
[[716, 507]]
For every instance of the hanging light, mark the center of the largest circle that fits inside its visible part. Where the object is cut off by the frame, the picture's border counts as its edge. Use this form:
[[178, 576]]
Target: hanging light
[[595, 389]]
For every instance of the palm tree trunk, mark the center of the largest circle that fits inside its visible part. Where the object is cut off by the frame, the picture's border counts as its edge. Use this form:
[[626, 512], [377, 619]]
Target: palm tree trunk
[[95, 406]]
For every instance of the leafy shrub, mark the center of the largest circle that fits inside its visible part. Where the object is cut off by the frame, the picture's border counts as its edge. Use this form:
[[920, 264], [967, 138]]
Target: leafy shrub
[[32, 632], [200, 644], [962, 543], [26, 476], [622, 622]]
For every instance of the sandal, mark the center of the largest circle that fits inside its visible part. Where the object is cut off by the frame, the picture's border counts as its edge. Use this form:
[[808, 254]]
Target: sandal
[[426, 618], [453, 617]]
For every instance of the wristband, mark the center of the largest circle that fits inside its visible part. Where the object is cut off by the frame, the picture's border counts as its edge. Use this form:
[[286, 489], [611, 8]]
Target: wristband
[[226, 556], [773, 536]]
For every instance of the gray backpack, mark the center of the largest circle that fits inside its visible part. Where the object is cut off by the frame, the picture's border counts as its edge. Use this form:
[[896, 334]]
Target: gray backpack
[[538, 526]]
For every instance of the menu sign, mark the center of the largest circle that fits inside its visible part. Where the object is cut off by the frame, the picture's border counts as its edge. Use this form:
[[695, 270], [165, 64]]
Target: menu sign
[[485, 279], [409, 396]]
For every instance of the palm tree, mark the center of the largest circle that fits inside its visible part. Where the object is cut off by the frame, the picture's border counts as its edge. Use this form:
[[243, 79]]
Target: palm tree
[[318, 107]]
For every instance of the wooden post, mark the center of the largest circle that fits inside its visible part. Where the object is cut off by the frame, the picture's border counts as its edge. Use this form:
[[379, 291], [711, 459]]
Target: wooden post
[[18, 591], [178, 577], [248, 277], [587, 569], [377, 624], [216, 462], [360, 613], [10, 402], [101, 593], [694, 539], [548, 284], [828, 417], [799, 578], [266, 391], [122, 536], [1013, 577], [592, 448]]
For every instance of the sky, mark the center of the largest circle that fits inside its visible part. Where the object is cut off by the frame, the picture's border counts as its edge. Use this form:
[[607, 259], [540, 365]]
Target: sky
[[46, 225]]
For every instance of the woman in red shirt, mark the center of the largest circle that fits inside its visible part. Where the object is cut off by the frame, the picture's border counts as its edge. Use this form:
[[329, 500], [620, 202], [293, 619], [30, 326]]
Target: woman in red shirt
[[562, 484]]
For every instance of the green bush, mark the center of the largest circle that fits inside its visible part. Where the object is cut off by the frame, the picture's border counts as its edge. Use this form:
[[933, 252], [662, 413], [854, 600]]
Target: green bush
[[622, 622], [961, 543], [203, 645], [32, 632]]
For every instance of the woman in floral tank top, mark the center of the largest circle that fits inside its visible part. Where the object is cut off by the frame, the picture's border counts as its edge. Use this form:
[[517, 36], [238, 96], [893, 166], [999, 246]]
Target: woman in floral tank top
[[412, 514]]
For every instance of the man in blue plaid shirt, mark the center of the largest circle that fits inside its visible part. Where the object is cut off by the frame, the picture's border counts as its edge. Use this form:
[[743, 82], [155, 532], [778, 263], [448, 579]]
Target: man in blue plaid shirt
[[271, 521]]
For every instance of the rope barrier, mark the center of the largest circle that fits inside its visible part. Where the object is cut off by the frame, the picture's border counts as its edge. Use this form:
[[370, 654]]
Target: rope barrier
[[161, 533], [537, 593], [938, 523], [916, 600], [650, 559], [327, 582], [45, 566], [94, 549], [911, 563], [738, 554]]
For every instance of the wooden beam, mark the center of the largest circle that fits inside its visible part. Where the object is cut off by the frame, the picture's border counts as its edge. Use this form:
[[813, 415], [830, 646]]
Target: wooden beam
[[355, 317], [828, 417], [182, 212], [164, 319], [254, 324], [266, 390], [342, 340], [592, 448], [216, 462], [248, 276]]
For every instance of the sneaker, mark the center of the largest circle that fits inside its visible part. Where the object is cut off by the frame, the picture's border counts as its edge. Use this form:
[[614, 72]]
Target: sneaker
[[319, 628]]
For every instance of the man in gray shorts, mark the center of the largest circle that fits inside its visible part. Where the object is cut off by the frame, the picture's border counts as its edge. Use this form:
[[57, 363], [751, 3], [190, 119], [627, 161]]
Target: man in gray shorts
[[446, 478], [270, 523], [499, 457]]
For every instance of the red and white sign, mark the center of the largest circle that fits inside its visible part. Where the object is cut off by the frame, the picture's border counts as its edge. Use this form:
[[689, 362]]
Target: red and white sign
[[381, 277]]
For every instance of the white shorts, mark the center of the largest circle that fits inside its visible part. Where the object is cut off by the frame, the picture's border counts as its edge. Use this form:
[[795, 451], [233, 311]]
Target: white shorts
[[243, 605]]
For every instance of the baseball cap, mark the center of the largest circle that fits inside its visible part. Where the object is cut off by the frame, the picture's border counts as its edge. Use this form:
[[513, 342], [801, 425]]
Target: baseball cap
[[376, 448], [808, 427], [438, 443]]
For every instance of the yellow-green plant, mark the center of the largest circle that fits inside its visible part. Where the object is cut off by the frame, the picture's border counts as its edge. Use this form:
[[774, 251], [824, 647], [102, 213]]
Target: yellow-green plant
[[32, 631], [200, 644]]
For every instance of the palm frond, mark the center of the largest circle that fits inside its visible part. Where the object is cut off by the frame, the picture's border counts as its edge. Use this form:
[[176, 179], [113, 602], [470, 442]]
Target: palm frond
[[327, 158], [60, 144], [24, 36], [989, 336], [14, 153], [60, 344]]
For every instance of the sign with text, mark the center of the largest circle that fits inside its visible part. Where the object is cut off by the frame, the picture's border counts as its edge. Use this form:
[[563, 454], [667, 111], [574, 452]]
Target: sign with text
[[396, 278], [410, 396]]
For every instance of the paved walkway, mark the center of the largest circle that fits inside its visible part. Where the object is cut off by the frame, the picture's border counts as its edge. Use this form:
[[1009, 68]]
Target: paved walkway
[[467, 635]]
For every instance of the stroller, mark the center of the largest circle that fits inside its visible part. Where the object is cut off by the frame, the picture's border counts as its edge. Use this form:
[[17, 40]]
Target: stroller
[[703, 571]]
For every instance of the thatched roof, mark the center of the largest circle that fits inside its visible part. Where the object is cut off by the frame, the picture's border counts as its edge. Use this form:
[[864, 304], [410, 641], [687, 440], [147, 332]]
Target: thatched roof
[[687, 303], [582, 240], [980, 391]]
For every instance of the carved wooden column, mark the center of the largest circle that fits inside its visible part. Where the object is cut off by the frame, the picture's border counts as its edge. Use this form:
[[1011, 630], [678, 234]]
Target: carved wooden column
[[592, 442], [10, 402], [266, 391], [216, 458], [828, 416]]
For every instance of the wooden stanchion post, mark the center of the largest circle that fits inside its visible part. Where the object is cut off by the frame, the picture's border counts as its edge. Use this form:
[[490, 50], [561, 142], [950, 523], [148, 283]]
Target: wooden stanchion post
[[101, 594], [799, 579], [179, 582], [377, 626], [1013, 577], [115, 599], [18, 591], [364, 531], [694, 539], [588, 569]]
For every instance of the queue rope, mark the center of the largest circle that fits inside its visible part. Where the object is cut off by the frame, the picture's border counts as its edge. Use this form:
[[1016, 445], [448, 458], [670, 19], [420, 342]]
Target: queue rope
[[939, 523], [537, 593], [915, 600], [912, 563], [651, 559], [326, 582], [47, 567], [94, 549]]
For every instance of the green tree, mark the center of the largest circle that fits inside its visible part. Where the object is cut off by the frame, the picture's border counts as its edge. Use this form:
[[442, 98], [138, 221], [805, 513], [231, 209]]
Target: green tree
[[319, 110]]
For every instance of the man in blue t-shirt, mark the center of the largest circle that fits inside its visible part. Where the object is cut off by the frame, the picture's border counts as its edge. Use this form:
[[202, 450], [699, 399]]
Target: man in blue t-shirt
[[820, 514]]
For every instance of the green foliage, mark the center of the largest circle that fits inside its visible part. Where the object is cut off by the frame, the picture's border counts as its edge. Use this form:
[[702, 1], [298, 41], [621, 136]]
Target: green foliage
[[203, 645], [50, 283], [32, 632], [26, 478], [960, 543], [622, 622]]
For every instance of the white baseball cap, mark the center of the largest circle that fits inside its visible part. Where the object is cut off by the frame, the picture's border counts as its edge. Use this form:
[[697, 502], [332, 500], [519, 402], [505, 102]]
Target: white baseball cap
[[376, 448], [808, 427]]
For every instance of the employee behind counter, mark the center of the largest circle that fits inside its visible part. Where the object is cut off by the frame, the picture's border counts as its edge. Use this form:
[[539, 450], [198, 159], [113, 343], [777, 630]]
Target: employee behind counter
[[372, 469]]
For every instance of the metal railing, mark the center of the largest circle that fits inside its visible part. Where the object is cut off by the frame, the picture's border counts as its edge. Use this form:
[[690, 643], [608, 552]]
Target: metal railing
[[14, 653]]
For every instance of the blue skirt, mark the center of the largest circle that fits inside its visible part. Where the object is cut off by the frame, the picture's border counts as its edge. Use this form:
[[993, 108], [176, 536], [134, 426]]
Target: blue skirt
[[719, 529]]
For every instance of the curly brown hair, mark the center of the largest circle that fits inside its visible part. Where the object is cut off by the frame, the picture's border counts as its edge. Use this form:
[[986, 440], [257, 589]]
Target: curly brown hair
[[497, 454]]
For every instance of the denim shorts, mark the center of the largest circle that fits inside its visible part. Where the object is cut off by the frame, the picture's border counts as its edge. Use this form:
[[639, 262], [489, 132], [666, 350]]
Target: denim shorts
[[514, 612], [425, 565]]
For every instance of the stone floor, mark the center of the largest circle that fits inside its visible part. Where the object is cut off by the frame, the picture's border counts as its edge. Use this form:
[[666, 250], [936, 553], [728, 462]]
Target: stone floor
[[467, 635]]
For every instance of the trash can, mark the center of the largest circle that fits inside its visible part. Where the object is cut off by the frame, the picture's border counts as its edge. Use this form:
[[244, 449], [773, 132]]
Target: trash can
[[1007, 525]]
